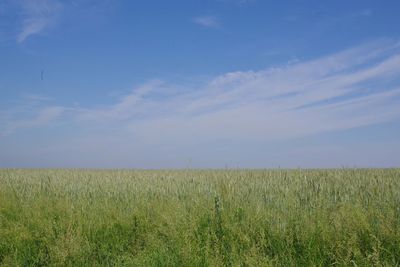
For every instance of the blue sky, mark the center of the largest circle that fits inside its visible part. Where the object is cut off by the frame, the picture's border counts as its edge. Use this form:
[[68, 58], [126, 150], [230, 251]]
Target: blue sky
[[201, 84]]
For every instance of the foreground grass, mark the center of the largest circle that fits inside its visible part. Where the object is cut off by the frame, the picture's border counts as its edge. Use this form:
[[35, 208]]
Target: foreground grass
[[200, 218]]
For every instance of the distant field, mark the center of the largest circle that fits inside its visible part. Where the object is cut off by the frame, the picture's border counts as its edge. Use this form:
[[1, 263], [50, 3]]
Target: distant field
[[200, 218]]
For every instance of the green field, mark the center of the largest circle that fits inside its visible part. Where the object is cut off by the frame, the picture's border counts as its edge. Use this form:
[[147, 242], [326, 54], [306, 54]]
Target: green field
[[343, 217]]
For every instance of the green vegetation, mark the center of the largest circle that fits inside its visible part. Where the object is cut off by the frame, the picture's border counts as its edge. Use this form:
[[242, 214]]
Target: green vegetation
[[200, 218]]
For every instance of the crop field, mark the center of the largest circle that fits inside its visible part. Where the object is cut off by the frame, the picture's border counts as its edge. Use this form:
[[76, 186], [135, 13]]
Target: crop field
[[341, 217]]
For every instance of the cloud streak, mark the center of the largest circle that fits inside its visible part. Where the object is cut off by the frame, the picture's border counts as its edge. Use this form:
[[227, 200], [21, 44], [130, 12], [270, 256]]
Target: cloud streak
[[38, 15], [207, 21], [43, 117], [353, 88]]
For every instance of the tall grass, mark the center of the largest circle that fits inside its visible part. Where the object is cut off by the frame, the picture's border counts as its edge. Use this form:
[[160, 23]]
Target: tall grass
[[200, 218]]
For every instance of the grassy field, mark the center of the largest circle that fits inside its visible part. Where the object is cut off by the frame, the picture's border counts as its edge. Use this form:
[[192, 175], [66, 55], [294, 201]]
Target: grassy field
[[347, 217]]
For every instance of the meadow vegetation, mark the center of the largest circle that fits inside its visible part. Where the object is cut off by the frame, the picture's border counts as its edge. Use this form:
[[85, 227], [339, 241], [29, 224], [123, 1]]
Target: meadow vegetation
[[341, 217]]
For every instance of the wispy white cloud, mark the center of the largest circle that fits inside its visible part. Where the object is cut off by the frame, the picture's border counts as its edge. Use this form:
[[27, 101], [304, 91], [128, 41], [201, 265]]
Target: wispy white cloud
[[43, 117], [128, 106], [207, 21], [35, 97], [353, 88], [331, 93], [37, 16], [363, 13], [238, 2]]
